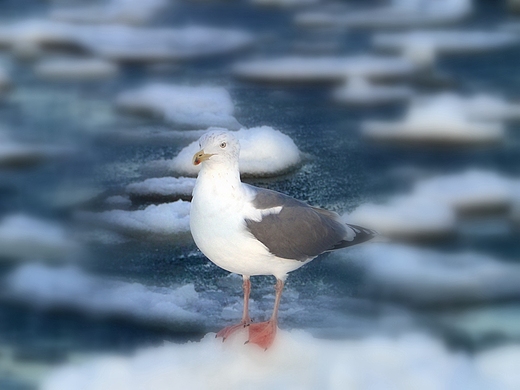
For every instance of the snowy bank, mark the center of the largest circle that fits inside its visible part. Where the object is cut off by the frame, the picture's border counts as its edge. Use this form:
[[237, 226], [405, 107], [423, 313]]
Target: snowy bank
[[70, 288], [296, 361], [155, 221], [322, 69], [264, 151], [162, 188], [427, 277], [75, 69], [24, 237], [195, 107]]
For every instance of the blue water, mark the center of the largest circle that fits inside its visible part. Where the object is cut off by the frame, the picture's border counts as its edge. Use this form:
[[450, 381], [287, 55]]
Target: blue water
[[342, 171]]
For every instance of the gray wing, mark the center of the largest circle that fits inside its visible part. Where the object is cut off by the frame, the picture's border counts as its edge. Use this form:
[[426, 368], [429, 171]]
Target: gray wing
[[300, 232]]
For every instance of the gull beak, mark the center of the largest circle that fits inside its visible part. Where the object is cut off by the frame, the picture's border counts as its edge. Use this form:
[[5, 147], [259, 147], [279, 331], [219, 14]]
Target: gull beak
[[200, 156]]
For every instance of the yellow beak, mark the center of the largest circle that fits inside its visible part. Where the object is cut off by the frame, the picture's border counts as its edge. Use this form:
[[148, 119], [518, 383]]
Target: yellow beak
[[200, 156]]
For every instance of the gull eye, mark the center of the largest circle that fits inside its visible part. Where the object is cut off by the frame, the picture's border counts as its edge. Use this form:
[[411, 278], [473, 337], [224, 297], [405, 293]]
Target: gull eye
[[223, 145]]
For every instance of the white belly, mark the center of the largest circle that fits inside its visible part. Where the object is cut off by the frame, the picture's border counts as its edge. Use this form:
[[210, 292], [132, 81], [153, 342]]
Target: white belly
[[219, 230]]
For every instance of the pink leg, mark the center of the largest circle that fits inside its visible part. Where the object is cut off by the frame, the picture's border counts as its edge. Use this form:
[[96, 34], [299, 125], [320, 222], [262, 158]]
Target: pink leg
[[246, 320], [263, 333]]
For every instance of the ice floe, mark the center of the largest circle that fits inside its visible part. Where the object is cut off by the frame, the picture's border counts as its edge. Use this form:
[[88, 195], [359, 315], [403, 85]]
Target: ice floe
[[440, 120], [155, 221], [124, 43], [112, 11], [23, 237], [14, 154], [284, 3], [358, 90], [195, 107], [75, 69], [470, 191], [264, 151], [406, 217], [71, 288], [296, 361], [162, 188], [322, 69], [400, 13], [445, 41], [427, 277]]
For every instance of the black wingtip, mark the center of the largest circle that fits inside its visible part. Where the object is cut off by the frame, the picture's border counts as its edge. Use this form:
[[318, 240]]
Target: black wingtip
[[361, 235]]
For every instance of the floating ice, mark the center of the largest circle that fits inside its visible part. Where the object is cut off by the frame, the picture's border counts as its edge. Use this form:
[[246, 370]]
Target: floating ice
[[25, 238], [196, 107], [114, 11], [75, 69], [422, 276], [284, 3], [489, 107], [455, 41], [180, 187], [69, 287], [407, 217], [322, 69], [296, 361], [401, 13], [470, 191], [358, 90], [124, 43], [161, 221], [263, 152], [436, 120]]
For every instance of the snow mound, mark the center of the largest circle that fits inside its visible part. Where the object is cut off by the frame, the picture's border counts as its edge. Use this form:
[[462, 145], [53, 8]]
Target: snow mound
[[69, 287], [322, 69], [358, 90], [264, 151], [24, 237], [400, 13], [408, 217], [426, 277], [181, 187], [470, 191], [196, 107], [123, 43], [296, 361], [441, 120], [160, 221], [114, 11], [75, 69], [442, 41]]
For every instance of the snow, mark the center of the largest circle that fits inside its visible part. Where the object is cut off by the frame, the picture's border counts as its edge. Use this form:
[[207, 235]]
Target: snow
[[445, 41], [161, 221], [312, 69], [162, 186], [406, 217], [70, 287], [75, 69], [441, 119], [113, 11], [16, 154], [124, 43], [285, 3], [470, 190], [296, 361], [400, 13], [196, 107], [264, 151], [427, 277], [359, 90], [24, 237]]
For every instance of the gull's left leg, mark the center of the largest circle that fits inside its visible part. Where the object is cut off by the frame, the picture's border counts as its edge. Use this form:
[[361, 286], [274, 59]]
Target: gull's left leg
[[263, 333], [246, 320]]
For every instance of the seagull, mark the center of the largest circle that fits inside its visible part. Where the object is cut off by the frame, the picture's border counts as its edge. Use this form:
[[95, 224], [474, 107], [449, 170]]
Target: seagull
[[252, 231]]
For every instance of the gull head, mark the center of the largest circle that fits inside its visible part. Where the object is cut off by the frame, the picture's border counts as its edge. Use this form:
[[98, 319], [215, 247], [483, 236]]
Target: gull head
[[217, 146]]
